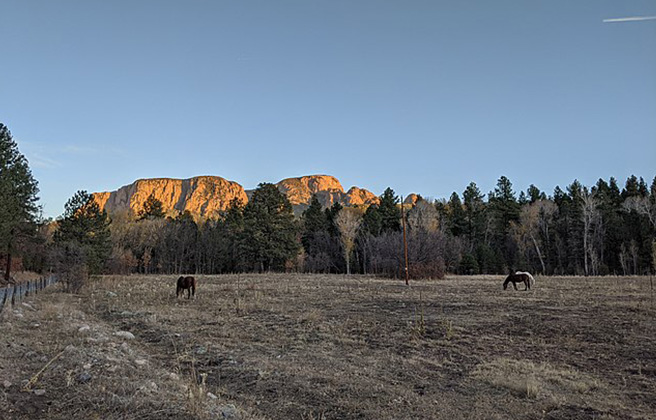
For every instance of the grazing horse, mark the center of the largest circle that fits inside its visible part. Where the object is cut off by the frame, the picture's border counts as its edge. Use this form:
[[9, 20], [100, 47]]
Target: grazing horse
[[519, 277], [188, 283]]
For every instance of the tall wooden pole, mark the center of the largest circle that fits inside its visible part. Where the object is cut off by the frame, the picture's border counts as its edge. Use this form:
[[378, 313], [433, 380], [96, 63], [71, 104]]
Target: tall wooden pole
[[405, 243]]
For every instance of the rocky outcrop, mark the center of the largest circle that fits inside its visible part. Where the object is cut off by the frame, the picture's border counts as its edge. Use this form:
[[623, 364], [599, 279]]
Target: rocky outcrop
[[208, 196], [203, 196], [360, 197], [300, 190]]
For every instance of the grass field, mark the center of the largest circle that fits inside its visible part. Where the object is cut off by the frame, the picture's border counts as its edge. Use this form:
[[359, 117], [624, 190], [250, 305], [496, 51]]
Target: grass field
[[291, 346]]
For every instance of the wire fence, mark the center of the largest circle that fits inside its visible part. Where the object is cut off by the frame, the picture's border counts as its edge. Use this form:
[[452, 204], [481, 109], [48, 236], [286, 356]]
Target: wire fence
[[12, 294]]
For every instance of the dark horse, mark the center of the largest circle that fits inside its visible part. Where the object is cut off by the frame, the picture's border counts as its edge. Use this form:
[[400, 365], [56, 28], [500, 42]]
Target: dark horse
[[519, 277], [188, 283]]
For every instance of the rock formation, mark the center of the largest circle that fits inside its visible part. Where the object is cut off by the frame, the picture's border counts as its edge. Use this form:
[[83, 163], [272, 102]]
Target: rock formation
[[202, 196], [207, 196]]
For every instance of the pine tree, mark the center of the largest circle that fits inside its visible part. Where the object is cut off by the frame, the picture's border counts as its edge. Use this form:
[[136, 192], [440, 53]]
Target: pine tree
[[456, 216], [269, 237], [18, 198], [87, 226], [152, 208], [389, 211], [504, 209], [314, 220], [474, 214]]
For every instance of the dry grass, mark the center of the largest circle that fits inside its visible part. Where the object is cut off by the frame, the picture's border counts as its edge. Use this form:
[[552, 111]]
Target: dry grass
[[283, 346]]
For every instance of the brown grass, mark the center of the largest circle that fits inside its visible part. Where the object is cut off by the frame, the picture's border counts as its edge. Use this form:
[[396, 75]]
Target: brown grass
[[284, 346]]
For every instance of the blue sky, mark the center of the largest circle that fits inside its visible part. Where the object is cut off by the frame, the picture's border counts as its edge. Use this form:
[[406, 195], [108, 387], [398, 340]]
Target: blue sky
[[422, 96]]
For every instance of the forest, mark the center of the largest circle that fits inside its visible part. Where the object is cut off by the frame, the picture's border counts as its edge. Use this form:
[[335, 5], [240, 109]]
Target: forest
[[603, 229]]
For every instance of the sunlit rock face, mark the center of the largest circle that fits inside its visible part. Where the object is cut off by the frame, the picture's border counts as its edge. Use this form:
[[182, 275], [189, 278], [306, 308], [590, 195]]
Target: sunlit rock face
[[360, 197], [202, 196], [208, 196]]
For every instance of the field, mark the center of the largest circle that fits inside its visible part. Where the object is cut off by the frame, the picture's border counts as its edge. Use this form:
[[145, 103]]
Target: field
[[291, 346]]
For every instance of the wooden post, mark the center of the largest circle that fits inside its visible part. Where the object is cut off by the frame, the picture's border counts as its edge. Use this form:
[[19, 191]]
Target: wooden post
[[405, 244]]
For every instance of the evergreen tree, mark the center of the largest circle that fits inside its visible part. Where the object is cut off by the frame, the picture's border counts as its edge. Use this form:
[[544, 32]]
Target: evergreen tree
[[314, 220], [534, 194], [18, 198], [269, 237], [87, 226], [152, 208], [372, 221], [474, 214], [456, 216], [331, 217], [504, 209], [390, 213]]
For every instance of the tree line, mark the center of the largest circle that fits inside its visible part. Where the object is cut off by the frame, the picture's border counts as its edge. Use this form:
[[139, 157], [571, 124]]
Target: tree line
[[597, 230]]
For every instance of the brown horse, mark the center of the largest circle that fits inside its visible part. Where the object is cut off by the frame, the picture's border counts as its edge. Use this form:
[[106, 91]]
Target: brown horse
[[188, 283], [519, 277]]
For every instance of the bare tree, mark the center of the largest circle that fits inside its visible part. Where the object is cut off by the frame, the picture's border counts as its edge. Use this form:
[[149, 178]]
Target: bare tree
[[423, 217], [533, 226], [348, 222], [591, 223], [643, 206]]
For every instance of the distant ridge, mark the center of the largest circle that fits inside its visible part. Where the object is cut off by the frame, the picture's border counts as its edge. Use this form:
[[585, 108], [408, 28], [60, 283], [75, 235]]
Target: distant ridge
[[208, 196]]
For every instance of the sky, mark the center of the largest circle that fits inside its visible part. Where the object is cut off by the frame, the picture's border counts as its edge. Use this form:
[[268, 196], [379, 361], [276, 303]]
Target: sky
[[421, 96]]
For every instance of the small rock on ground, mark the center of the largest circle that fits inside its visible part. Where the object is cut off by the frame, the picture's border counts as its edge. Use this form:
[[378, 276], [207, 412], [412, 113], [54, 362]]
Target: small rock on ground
[[124, 334]]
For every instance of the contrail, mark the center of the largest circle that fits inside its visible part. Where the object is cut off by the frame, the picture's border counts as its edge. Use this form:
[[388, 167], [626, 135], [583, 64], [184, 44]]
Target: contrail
[[629, 19]]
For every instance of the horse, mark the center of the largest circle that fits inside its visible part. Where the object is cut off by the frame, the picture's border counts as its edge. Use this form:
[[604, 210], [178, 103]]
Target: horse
[[519, 277], [188, 283], [529, 275]]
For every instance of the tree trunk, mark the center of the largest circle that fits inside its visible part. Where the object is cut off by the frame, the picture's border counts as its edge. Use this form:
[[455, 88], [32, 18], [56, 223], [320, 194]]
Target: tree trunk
[[537, 249], [8, 268]]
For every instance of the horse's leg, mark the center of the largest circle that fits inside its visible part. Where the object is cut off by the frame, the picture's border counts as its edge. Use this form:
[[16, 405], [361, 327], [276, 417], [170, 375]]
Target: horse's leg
[[526, 285], [514, 285]]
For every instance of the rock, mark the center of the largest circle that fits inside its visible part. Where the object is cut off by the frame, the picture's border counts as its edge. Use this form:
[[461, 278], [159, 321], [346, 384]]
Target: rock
[[39, 392], [86, 366], [6, 384], [28, 306], [84, 328], [125, 348], [212, 396], [140, 362], [84, 377], [209, 196], [229, 412], [35, 325], [200, 350], [202, 196], [111, 294], [174, 376], [124, 334]]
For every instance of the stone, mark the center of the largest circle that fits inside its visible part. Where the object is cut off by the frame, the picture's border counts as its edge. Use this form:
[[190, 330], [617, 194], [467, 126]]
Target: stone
[[39, 392], [84, 377], [84, 328], [140, 362], [6, 384], [212, 396], [125, 334], [111, 294]]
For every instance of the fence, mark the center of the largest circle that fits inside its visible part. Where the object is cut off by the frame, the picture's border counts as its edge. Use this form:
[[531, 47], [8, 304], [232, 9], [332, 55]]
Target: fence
[[15, 293]]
